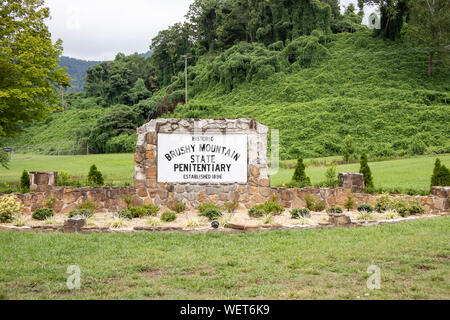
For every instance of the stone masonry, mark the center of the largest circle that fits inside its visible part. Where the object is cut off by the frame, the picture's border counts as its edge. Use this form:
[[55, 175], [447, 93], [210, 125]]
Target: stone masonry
[[150, 190]]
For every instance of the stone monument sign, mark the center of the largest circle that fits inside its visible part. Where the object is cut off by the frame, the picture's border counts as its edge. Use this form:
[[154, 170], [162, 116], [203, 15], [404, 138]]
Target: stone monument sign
[[198, 161]]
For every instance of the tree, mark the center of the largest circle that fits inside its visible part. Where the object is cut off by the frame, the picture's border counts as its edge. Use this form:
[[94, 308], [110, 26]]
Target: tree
[[441, 175], [95, 177], [25, 181], [350, 202], [429, 26], [365, 170], [349, 149], [300, 176], [29, 72]]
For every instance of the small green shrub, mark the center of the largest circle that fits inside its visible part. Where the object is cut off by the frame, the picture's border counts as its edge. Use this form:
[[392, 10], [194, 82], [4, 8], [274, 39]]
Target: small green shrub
[[145, 210], [365, 170], [50, 203], [314, 203], [88, 205], [300, 178], [212, 214], [128, 200], [265, 209], [202, 208], [178, 206], [168, 216], [63, 179], [383, 203], [334, 209], [441, 174], [298, 213], [407, 208], [95, 177], [137, 212], [257, 211], [365, 208], [80, 213], [42, 214], [350, 202], [125, 214], [151, 209], [231, 207], [274, 208], [24, 181]]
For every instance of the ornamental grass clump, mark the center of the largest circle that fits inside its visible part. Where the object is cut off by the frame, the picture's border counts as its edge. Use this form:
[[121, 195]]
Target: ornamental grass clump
[[178, 206], [231, 207], [298, 213]]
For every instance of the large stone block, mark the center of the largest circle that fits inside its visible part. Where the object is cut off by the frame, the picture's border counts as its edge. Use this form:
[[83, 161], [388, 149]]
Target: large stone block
[[351, 180]]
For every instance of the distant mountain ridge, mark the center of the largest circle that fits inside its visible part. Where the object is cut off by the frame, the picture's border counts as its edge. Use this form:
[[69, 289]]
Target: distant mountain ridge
[[76, 68]]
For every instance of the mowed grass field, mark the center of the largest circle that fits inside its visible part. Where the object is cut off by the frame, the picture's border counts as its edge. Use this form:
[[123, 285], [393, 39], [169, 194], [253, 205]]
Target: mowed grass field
[[414, 259], [119, 168]]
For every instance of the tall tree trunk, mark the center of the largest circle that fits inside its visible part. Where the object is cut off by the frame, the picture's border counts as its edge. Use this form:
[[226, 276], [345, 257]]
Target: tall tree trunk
[[430, 64], [386, 28]]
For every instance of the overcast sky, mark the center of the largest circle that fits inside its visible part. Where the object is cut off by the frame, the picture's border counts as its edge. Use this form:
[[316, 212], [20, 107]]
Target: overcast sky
[[99, 29]]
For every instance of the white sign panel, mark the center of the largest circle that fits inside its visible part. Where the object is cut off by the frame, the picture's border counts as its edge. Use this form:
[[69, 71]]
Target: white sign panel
[[216, 158]]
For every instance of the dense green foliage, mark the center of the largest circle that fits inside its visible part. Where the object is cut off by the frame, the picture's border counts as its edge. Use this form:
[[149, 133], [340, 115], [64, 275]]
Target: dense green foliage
[[24, 184], [365, 170], [441, 175], [365, 208], [76, 69], [314, 204], [95, 177], [299, 66], [29, 73], [146, 210], [212, 213], [334, 209], [266, 208], [300, 176], [80, 214], [42, 214], [168, 216], [205, 206]]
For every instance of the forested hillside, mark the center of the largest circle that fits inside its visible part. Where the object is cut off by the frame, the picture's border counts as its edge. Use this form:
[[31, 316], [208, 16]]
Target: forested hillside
[[76, 70], [298, 66]]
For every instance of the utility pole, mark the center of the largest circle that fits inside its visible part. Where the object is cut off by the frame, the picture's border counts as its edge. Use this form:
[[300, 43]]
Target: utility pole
[[186, 76]]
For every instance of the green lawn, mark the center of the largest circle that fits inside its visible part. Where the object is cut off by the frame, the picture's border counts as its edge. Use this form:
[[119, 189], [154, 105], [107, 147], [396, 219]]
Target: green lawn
[[414, 259], [404, 173], [119, 168], [116, 168]]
